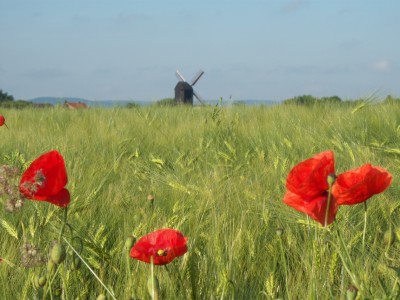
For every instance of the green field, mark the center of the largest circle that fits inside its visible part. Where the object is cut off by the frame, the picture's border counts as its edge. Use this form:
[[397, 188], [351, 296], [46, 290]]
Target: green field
[[218, 175]]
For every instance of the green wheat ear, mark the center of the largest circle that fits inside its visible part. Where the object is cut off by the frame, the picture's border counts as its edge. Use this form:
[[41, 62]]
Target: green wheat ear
[[10, 229]]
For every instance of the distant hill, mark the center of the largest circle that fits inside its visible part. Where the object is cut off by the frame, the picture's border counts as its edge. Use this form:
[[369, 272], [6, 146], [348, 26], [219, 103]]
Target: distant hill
[[114, 103], [102, 103]]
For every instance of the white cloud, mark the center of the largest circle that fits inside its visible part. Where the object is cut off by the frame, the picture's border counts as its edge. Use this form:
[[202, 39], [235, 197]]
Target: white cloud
[[383, 65], [293, 5]]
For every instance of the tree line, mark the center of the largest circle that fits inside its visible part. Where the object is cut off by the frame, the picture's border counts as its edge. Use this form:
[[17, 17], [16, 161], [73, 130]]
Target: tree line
[[8, 101]]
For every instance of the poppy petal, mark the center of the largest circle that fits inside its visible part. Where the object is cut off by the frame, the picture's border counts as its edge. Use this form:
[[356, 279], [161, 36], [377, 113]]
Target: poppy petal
[[308, 179], [45, 177], [61, 199], [358, 185], [315, 208], [2, 120], [164, 245]]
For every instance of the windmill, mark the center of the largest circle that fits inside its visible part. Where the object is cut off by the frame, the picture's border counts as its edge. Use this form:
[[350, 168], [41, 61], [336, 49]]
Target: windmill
[[184, 91]]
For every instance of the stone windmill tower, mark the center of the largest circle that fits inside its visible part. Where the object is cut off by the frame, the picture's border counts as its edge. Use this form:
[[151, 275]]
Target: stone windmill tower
[[184, 91]]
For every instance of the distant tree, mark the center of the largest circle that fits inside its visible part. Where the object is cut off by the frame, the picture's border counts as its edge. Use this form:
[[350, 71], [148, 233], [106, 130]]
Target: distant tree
[[166, 102], [18, 104], [391, 100], [308, 100], [301, 100], [331, 99], [5, 97], [132, 105]]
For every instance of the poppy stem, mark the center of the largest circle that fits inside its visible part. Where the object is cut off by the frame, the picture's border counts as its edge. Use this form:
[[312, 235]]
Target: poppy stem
[[331, 179], [365, 226], [90, 269], [327, 207], [284, 265], [153, 281], [63, 224]]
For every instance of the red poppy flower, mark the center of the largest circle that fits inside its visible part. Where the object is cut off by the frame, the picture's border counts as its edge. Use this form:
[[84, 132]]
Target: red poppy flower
[[45, 179], [307, 187], [356, 186], [2, 121], [163, 245]]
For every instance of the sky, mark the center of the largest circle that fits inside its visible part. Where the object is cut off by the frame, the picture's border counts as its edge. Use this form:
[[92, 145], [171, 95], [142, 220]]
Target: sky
[[248, 49]]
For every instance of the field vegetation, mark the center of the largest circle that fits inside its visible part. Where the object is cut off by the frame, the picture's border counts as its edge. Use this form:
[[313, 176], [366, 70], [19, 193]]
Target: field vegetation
[[217, 174]]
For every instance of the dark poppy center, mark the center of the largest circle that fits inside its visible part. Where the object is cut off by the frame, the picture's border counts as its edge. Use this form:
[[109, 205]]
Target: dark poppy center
[[39, 178], [162, 252]]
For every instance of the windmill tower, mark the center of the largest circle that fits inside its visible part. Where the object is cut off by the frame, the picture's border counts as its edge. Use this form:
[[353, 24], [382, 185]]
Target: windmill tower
[[184, 91]]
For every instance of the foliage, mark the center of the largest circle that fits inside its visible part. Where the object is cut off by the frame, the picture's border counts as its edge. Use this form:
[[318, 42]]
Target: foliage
[[217, 174], [18, 104], [5, 97], [311, 100], [132, 105], [166, 102], [391, 100]]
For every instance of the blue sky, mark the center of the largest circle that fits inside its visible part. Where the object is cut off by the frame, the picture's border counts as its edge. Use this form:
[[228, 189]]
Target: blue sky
[[253, 49]]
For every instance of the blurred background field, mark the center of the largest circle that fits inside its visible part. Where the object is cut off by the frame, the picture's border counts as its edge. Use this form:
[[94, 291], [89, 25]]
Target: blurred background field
[[218, 175]]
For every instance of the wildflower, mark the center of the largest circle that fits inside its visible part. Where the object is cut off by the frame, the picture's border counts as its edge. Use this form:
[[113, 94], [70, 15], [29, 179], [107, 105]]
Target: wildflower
[[31, 256], [12, 204], [45, 179], [163, 245], [310, 182], [2, 121], [9, 188], [307, 187], [358, 185]]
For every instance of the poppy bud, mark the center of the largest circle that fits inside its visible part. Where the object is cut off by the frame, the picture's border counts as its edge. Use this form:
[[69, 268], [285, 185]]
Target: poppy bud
[[39, 281], [57, 292], [129, 242], [153, 286], [389, 237], [76, 263], [279, 231], [151, 198], [42, 280], [101, 297], [57, 253], [51, 267], [351, 293], [331, 179]]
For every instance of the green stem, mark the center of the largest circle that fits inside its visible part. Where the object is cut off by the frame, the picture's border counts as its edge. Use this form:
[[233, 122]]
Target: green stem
[[365, 226], [63, 224], [328, 206], [91, 270], [285, 267], [347, 261], [153, 281], [331, 180]]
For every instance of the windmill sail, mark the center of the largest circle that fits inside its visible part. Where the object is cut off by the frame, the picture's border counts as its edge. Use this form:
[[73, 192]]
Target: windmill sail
[[197, 77], [179, 76], [198, 97]]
